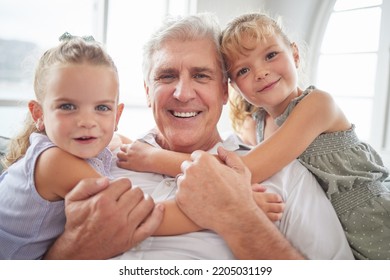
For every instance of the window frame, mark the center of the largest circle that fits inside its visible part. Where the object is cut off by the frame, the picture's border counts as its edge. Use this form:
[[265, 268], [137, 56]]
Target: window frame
[[379, 138]]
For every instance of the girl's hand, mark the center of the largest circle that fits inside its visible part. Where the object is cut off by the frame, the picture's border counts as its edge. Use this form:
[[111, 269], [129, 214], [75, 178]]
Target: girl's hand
[[117, 140], [271, 203], [137, 156]]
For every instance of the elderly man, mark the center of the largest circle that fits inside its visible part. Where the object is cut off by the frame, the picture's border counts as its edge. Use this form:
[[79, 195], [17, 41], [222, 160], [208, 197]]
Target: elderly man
[[186, 88]]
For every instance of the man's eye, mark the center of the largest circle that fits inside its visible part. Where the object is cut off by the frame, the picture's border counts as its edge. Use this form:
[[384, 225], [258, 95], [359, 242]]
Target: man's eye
[[165, 78], [201, 76], [103, 108], [242, 71], [67, 107]]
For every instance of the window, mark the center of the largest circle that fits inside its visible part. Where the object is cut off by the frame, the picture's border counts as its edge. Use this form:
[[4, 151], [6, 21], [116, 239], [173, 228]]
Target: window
[[26, 32], [353, 65], [125, 38]]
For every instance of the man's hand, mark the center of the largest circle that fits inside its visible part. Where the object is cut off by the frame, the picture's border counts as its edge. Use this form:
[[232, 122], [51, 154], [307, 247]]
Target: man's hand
[[104, 219], [212, 193]]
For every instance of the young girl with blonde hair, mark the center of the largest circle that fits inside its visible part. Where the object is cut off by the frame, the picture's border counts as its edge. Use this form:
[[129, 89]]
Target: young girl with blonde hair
[[64, 140], [306, 124]]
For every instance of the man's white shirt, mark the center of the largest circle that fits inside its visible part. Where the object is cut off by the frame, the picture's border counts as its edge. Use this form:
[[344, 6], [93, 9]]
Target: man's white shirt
[[308, 222]]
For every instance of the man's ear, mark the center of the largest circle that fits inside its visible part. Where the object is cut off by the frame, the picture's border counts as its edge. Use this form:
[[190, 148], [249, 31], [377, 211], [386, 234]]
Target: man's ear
[[225, 92], [146, 87], [37, 114]]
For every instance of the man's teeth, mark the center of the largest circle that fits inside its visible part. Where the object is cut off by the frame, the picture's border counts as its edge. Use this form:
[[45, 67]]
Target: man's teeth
[[185, 114]]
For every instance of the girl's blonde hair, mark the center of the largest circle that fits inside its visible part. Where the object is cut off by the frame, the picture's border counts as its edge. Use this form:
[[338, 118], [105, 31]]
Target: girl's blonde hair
[[258, 27], [72, 50], [240, 109]]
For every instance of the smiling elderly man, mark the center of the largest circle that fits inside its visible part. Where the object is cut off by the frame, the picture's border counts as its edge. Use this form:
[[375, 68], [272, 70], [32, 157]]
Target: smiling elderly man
[[186, 88]]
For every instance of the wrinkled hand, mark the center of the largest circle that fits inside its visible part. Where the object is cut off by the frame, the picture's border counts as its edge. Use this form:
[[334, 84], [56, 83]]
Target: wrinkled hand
[[136, 156], [215, 195], [271, 203], [104, 219], [219, 196]]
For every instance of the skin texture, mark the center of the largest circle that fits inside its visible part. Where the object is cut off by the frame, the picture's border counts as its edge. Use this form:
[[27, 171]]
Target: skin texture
[[181, 81], [231, 210], [267, 77], [109, 209], [80, 113]]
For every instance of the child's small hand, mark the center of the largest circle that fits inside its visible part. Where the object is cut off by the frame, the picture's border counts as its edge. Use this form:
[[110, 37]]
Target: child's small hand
[[117, 140], [271, 203], [136, 156]]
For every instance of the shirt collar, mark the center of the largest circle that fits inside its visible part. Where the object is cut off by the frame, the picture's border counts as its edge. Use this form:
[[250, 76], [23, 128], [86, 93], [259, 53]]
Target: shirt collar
[[231, 143]]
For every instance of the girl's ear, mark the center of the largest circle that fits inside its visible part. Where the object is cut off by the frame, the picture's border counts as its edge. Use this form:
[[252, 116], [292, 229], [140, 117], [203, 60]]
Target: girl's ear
[[36, 114], [295, 53], [118, 114]]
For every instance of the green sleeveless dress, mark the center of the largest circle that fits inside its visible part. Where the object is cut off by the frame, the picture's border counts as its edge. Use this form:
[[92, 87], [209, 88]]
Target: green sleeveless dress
[[351, 173]]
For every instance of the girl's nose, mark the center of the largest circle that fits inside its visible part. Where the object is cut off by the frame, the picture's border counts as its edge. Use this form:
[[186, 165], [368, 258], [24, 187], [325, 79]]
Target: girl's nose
[[86, 120], [262, 74]]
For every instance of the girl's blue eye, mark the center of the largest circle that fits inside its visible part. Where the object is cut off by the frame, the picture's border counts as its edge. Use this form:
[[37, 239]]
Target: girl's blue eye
[[103, 108], [67, 107]]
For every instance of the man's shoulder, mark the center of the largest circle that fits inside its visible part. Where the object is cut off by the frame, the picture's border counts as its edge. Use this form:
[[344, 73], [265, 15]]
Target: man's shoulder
[[295, 167], [292, 175], [232, 142]]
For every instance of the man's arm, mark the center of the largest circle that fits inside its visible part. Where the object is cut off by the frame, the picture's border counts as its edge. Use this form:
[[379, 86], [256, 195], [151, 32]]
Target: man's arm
[[231, 210], [104, 219]]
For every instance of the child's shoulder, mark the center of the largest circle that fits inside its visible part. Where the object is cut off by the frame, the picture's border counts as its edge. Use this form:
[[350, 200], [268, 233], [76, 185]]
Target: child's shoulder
[[318, 96], [55, 158], [58, 171]]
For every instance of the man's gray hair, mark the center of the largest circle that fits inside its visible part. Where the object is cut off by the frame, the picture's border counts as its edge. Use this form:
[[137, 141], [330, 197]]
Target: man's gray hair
[[189, 28]]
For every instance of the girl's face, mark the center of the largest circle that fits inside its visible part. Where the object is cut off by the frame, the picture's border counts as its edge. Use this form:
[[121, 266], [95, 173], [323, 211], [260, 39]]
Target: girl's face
[[266, 75], [80, 108]]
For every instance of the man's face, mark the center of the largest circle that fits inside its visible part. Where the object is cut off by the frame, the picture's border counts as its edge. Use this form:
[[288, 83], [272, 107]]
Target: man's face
[[186, 93]]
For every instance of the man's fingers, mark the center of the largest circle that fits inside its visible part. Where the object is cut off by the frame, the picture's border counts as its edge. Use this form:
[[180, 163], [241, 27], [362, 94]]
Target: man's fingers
[[150, 225], [87, 188], [130, 199], [231, 159], [117, 188]]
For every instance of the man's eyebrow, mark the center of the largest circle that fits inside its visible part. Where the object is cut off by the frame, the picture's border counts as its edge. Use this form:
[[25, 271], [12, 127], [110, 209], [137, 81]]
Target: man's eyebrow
[[163, 70], [203, 69]]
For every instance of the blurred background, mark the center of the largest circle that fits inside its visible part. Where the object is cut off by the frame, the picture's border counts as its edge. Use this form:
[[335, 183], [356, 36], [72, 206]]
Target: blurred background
[[346, 45]]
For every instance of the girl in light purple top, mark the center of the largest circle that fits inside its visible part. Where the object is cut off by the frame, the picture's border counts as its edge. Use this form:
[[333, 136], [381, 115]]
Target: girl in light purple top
[[64, 140]]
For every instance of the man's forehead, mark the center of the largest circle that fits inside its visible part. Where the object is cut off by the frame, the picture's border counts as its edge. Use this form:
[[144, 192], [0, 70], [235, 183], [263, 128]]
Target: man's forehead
[[169, 60]]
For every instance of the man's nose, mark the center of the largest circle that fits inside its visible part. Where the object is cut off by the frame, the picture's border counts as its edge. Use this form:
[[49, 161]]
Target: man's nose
[[184, 90]]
